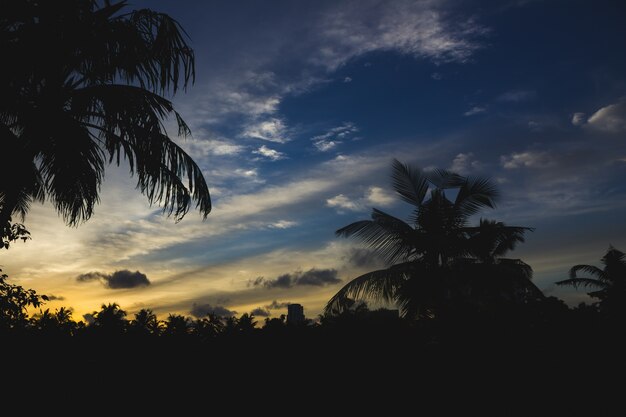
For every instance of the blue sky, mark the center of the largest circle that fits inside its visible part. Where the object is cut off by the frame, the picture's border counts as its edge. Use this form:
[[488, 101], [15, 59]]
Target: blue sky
[[297, 111]]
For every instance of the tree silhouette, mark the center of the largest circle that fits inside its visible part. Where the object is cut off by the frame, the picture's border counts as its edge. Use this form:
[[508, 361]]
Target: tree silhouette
[[437, 259], [14, 304], [176, 325], [111, 319], [145, 323], [610, 282], [85, 87]]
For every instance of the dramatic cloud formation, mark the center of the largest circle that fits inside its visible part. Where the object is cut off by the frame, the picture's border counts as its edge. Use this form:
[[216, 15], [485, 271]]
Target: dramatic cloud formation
[[117, 280], [312, 277], [203, 310]]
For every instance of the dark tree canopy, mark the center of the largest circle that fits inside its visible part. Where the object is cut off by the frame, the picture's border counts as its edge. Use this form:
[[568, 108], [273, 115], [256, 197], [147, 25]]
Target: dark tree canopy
[[437, 259], [82, 86]]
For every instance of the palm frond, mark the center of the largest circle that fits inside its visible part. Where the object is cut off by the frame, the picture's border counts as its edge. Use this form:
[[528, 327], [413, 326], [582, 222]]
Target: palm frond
[[442, 178], [389, 236], [583, 282], [589, 269], [409, 183], [475, 194], [378, 285]]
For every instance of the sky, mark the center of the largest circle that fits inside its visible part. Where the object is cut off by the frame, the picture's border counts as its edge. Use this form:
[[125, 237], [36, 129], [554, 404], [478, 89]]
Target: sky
[[297, 111]]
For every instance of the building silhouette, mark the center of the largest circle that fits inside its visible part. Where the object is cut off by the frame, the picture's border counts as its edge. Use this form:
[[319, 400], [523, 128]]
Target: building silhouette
[[295, 314]]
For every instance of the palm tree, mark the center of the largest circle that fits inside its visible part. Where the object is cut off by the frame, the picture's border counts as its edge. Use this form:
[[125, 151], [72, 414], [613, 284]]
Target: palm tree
[[146, 323], [110, 319], [429, 257], [609, 282], [85, 86]]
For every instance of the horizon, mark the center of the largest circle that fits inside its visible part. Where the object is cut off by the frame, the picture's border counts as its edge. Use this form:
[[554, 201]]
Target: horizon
[[297, 112]]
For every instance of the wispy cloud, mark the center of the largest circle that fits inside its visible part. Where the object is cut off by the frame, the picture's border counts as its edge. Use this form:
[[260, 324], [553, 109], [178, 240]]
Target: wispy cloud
[[272, 130], [334, 137], [475, 110], [271, 154], [527, 159], [516, 96]]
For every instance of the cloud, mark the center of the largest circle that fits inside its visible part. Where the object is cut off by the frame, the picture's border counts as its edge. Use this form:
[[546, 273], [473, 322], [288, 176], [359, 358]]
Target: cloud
[[122, 279], [313, 277], [373, 196], [271, 154], [527, 159], [611, 119], [334, 137], [379, 197], [436, 76], [464, 163], [516, 96], [203, 310], [414, 28], [260, 312], [342, 202], [276, 305], [475, 110], [362, 258], [271, 130], [199, 148], [578, 119], [347, 80], [53, 297], [282, 224]]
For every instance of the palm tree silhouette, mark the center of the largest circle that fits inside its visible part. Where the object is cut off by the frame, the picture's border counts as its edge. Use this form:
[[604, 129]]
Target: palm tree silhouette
[[437, 258], [146, 323], [111, 319], [610, 281], [85, 87]]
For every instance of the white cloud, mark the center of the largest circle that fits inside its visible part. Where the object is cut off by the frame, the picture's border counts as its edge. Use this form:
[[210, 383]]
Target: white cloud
[[272, 130], [342, 202], [282, 224], [515, 96], [417, 28], [374, 195], [379, 196], [465, 163], [578, 119], [611, 118], [436, 76], [528, 159], [475, 110], [334, 137], [347, 80], [269, 153]]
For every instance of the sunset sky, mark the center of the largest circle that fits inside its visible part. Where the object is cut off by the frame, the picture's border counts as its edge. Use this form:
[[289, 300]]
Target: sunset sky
[[297, 112]]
